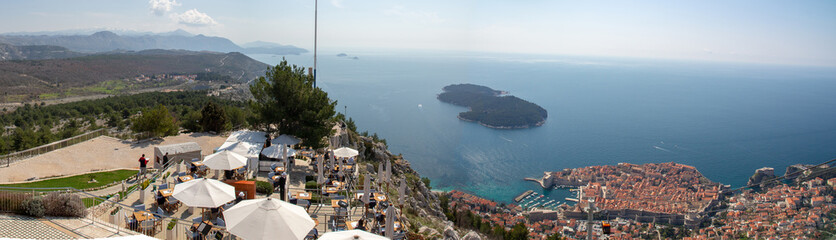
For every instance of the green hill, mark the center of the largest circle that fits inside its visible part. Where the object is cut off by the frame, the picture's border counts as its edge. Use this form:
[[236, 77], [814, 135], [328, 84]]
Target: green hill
[[113, 72], [489, 108]]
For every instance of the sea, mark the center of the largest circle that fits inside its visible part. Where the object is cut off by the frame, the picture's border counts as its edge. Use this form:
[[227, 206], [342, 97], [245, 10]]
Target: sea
[[726, 119]]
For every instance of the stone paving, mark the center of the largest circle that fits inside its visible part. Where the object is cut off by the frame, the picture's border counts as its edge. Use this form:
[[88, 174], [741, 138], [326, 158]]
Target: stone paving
[[16, 226]]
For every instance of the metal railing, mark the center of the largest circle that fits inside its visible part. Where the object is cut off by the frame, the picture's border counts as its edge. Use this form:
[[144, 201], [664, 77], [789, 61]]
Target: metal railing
[[8, 159]]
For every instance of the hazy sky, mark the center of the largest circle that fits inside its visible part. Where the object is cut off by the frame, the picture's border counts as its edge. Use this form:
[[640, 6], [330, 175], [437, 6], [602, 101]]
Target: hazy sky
[[790, 32]]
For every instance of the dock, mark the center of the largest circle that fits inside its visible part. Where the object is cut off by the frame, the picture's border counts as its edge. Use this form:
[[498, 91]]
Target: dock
[[523, 196]]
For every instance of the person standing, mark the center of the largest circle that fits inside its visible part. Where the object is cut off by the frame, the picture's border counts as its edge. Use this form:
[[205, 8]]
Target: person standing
[[282, 181], [165, 159], [143, 163]]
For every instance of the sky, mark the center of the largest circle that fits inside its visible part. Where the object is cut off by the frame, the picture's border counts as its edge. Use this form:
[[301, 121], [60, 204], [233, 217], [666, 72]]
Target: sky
[[763, 31]]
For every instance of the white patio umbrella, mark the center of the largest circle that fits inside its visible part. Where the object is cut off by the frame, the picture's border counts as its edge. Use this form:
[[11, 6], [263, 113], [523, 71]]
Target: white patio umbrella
[[345, 152], [285, 139], [350, 235], [268, 218], [225, 160], [275, 151], [205, 193]]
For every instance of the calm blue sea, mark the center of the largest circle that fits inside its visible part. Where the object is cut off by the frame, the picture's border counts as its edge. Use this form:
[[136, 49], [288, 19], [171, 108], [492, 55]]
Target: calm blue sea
[[727, 119]]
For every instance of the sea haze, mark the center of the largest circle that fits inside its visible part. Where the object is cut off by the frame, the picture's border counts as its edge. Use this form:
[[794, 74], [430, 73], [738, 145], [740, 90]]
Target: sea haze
[[725, 119]]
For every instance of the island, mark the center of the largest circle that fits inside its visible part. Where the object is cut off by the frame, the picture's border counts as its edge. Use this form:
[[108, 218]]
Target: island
[[493, 108]]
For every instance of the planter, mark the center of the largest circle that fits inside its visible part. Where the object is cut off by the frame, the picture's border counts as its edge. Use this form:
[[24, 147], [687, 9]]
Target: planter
[[142, 196], [169, 234]]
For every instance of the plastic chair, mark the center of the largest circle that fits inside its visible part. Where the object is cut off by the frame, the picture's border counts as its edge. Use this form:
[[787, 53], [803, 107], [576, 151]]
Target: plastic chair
[[163, 186], [220, 222], [197, 220], [130, 223], [147, 226], [139, 207]]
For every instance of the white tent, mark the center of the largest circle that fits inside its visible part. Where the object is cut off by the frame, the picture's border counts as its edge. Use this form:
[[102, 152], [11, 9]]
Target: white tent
[[275, 151], [253, 137], [246, 149], [285, 139], [185, 151]]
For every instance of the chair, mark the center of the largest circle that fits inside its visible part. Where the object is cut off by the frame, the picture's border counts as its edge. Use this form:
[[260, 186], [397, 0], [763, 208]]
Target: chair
[[190, 235], [160, 211], [270, 175], [130, 223], [163, 186], [139, 207], [312, 235], [147, 227], [220, 222]]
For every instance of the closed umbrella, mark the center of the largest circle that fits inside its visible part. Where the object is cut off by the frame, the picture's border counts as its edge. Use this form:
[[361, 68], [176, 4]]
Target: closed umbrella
[[275, 151], [320, 172], [268, 218], [402, 191], [225, 160], [345, 152], [285, 139], [390, 222], [388, 171], [380, 173], [367, 191], [205, 193], [350, 235]]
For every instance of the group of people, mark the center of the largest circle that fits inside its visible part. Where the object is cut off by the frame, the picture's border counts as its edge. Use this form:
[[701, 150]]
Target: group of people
[[143, 163]]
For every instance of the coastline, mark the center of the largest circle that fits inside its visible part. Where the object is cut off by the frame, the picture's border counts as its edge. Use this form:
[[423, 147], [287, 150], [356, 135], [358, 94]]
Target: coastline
[[540, 123]]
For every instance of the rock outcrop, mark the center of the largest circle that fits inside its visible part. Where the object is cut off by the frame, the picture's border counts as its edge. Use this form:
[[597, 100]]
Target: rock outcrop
[[761, 175]]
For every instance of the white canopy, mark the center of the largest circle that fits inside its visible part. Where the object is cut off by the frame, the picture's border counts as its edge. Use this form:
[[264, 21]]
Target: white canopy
[[268, 218], [254, 137], [246, 149], [205, 193], [225, 160], [285, 139], [345, 152], [275, 151], [351, 235]]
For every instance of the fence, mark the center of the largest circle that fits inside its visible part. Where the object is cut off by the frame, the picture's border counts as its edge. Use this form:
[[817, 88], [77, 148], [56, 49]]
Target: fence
[[8, 159]]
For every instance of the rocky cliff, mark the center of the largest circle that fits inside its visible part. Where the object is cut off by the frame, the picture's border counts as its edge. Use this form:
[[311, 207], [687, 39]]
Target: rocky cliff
[[425, 218]]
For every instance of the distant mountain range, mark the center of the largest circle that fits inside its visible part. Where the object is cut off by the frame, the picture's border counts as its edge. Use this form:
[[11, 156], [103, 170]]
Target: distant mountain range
[[24, 80], [107, 41]]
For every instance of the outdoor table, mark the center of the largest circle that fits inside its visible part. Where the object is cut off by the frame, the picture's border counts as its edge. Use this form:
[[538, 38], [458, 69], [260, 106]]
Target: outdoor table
[[279, 169], [185, 178], [276, 177], [197, 164], [338, 184], [331, 190], [302, 195], [166, 192], [350, 225], [380, 198], [335, 203], [142, 216]]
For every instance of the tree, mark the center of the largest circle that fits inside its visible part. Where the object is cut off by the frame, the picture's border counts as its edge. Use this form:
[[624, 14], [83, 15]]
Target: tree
[[287, 100], [213, 118], [156, 122]]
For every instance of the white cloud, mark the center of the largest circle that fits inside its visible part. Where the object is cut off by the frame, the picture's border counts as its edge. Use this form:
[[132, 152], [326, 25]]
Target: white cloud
[[194, 18], [413, 15], [337, 3], [160, 7]]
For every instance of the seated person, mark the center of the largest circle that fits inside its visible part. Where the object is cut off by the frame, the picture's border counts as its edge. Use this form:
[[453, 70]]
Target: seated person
[[240, 197], [228, 174], [361, 225], [160, 200], [192, 168]]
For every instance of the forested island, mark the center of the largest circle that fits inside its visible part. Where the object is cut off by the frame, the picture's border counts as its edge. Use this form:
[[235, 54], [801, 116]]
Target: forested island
[[491, 108]]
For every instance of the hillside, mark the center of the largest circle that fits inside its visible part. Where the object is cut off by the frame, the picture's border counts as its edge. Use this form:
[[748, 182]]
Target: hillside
[[110, 73], [489, 108], [106, 41], [35, 52]]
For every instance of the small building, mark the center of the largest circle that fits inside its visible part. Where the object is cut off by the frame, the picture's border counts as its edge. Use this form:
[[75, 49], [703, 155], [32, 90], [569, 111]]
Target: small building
[[181, 151]]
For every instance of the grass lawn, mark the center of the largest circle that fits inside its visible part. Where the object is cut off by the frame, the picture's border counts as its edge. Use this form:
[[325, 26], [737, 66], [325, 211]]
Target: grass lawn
[[80, 181]]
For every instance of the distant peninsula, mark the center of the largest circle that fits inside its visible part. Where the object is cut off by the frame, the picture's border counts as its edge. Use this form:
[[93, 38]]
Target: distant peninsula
[[493, 108]]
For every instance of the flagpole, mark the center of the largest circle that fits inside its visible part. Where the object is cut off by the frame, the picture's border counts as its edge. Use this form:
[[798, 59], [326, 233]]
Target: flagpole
[[316, 7]]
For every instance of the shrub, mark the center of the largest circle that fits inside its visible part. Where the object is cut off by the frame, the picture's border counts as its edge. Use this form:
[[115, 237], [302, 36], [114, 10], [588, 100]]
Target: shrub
[[310, 185], [263, 187], [309, 178], [172, 224], [64, 205], [34, 207]]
